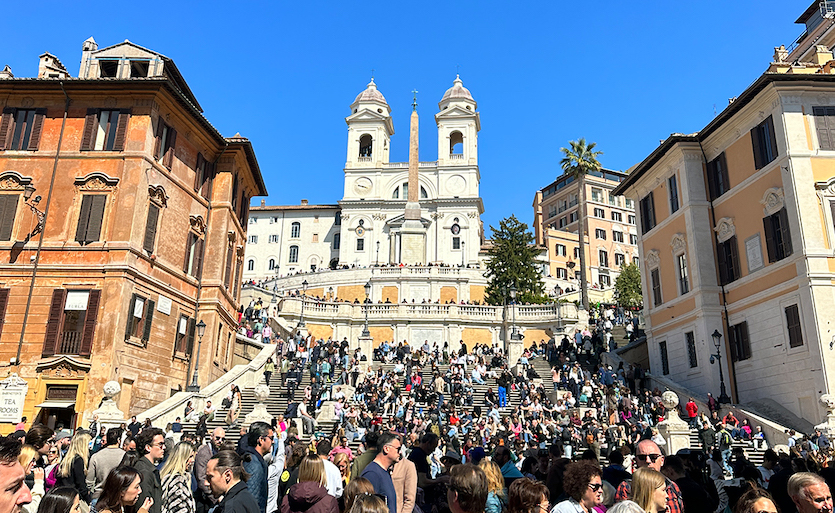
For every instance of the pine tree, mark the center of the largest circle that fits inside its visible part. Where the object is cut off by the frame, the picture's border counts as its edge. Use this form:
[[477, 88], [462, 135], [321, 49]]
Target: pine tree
[[628, 286], [513, 262]]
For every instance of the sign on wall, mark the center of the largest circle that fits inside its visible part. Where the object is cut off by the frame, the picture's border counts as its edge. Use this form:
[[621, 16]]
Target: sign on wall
[[12, 395], [754, 252]]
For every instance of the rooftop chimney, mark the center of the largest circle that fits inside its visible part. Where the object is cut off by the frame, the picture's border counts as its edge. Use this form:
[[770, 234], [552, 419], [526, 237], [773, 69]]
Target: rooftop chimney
[[263, 202], [50, 67], [7, 72], [304, 202]]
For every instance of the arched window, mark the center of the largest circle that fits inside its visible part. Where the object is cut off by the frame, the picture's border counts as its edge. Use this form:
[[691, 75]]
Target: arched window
[[405, 187], [456, 143], [271, 264], [295, 230], [423, 194], [294, 254], [250, 265], [396, 193], [365, 145], [337, 218]]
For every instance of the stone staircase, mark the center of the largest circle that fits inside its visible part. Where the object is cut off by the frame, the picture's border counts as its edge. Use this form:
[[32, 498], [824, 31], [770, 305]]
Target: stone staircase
[[753, 454]]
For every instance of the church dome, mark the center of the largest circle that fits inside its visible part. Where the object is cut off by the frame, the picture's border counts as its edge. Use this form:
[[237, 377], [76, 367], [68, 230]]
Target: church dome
[[371, 94], [457, 91]]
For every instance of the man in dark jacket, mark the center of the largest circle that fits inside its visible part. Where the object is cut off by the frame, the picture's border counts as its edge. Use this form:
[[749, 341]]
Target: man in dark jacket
[[150, 444], [260, 444], [203, 496], [223, 475]]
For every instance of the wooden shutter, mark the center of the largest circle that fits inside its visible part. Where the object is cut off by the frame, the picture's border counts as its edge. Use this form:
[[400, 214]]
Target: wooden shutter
[[90, 321], [8, 210], [189, 242], [6, 123], [83, 219], [722, 262], [88, 136], [37, 128], [793, 324], [744, 342], [149, 317], [726, 183], [756, 135], [96, 217], [229, 254], [770, 242], [785, 232], [151, 228], [121, 130], [733, 342], [158, 139], [4, 302], [169, 148], [129, 323], [824, 118], [734, 259], [199, 171], [190, 340], [208, 178], [198, 259], [53, 324], [773, 136]]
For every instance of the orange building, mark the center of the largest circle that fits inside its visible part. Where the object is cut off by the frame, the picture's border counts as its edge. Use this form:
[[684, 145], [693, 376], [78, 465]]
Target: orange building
[[141, 240]]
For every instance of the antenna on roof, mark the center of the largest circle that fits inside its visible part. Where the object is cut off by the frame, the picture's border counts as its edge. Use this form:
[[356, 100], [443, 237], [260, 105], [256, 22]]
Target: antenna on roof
[[372, 73]]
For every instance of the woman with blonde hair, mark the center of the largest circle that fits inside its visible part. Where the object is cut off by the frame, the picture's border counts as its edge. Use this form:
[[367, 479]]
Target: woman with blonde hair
[[344, 465], [496, 496], [649, 490], [176, 480], [309, 494], [72, 471], [28, 457]]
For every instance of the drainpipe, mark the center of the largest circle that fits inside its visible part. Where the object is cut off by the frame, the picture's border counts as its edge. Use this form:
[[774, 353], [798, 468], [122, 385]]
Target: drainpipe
[[43, 228], [727, 327]]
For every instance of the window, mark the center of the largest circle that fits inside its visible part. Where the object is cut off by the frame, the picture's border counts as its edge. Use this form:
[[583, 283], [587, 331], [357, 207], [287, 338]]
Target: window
[[683, 284], [71, 324], [184, 340], [4, 302], [8, 211], [778, 239], [294, 254], [599, 212], [295, 230], [717, 177], [572, 217], [105, 130], [563, 222], [140, 318], [273, 239], [315, 238], [90, 218], [665, 362], [764, 142], [655, 278], [552, 211], [253, 239], [337, 219], [563, 206], [824, 125], [620, 259], [139, 68], [360, 244], [673, 186], [690, 338], [562, 273], [633, 239], [253, 220], [559, 249], [227, 274], [166, 139], [456, 243], [600, 233], [617, 216], [603, 258], [576, 252], [250, 265], [793, 324], [194, 255], [636, 260], [151, 229], [271, 264], [647, 213], [613, 200], [336, 240], [273, 220], [605, 280], [739, 342], [596, 194], [617, 236], [729, 269], [108, 68], [631, 219], [20, 129], [366, 145]]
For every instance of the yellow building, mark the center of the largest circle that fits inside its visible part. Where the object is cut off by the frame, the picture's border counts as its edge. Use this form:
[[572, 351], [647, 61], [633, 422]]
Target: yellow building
[[611, 236]]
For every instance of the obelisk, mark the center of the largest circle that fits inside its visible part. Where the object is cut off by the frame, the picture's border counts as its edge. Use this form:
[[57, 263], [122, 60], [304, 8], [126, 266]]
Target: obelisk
[[413, 233]]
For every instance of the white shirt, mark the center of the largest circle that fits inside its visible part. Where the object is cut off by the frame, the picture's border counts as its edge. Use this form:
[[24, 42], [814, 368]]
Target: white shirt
[[334, 479]]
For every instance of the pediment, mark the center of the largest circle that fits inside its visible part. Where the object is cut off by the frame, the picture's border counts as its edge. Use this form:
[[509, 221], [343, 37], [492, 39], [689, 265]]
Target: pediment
[[456, 111], [63, 366], [123, 50], [367, 115]]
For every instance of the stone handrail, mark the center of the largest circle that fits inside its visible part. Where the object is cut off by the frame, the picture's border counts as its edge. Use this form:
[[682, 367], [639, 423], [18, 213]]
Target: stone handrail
[[245, 376]]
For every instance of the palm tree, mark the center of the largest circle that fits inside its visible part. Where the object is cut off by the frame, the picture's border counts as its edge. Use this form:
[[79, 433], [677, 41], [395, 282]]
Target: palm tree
[[580, 160]]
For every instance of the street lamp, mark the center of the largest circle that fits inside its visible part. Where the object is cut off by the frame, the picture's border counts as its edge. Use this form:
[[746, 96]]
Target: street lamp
[[513, 334], [463, 253], [330, 293], [723, 396], [201, 329], [301, 316], [28, 190], [275, 285], [365, 332], [377, 260]]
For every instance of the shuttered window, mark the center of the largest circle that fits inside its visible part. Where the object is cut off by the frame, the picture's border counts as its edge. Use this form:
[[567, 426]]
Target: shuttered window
[[105, 130], [140, 318], [151, 228], [825, 127], [90, 218], [728, 255], [71, 324], [194, 256], [739, 341], [717, 177], [778, 240], [656, 287], [20, 129], [4, 303], [203, 175], [230, 254], [764, 143], [793, 324], [166, 140], [690, 338], [665, 361], [647, 206], [184, 341], [672, 184], [8, 211]]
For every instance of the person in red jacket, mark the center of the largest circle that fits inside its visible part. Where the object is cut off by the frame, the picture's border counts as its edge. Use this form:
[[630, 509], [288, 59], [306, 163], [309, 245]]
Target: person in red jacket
[[692, 412]]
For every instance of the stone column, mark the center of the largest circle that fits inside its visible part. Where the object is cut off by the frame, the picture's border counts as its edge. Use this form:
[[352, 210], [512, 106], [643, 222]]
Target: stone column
[[514, 352], [259, 412], [674, 430]]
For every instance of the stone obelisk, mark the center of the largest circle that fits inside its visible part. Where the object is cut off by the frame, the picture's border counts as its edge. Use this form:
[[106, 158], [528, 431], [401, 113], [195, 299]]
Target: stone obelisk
[[413, 233]]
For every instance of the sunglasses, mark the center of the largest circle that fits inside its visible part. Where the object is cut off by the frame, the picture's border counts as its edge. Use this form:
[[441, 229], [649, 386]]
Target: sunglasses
[[651, 457], [596, 487]]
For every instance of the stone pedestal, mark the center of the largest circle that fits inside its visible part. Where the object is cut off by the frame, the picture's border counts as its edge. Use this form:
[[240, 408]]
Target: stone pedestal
[[515, 348], [366, 345], [259, 412], [828, 425], [348, 390], [674, 430], [413, 238], [326, 412], [109, 413]]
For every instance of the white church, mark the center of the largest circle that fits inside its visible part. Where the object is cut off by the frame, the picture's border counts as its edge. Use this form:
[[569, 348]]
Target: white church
[[366, 227]]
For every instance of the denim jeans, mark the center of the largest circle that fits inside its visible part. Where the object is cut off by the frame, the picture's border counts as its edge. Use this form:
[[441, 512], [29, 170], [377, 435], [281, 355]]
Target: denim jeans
[[502, 397]]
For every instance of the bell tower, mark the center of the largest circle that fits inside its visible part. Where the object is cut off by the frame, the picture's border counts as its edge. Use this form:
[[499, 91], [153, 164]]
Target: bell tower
[[369, 129], [458, 126]]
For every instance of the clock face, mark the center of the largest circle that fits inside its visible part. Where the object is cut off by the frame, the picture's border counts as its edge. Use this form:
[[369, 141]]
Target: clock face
[[363, 185], [456, 229]]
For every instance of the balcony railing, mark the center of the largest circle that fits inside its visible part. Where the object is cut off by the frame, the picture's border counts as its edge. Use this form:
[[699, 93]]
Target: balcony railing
[[456, 156], [70, 342]]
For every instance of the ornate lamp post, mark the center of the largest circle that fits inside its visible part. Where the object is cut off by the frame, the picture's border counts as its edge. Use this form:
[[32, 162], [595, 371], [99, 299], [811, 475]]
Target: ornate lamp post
[[377, 260], [301, 316], [513, 335], [365, 332], [330, 293], [463, 253], [201, 329], [723, 395], [28, 190]]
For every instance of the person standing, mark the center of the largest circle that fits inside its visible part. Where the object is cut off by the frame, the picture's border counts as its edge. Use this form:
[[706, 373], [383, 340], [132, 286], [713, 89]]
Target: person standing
[[176, 480], [334, 486], [223, 476], [404, 478], [377, 471], [269, 368], [103, 462], [72, 471], [692, 412], [260, 444], [467, 489], [203, 496], [647, 454], [150, 444]]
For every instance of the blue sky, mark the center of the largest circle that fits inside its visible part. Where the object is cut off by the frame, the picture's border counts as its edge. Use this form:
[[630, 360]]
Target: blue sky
[[622, 74]]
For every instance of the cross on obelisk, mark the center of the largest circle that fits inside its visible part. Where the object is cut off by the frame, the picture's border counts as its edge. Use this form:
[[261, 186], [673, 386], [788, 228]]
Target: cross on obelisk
[[414, 100]]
